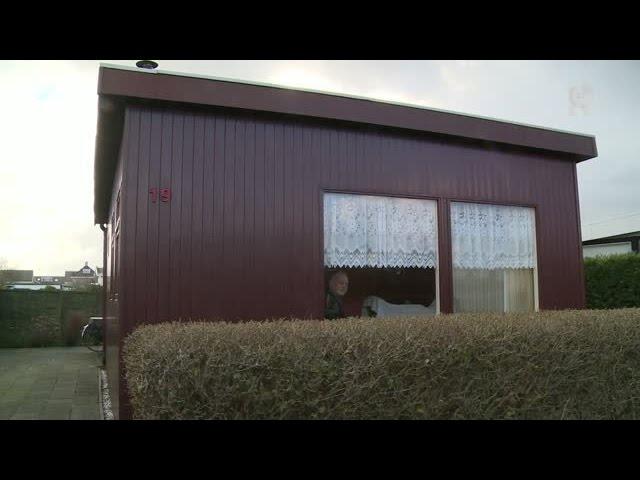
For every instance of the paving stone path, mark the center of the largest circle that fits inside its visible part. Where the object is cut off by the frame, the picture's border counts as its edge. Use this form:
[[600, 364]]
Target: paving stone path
[[59, 383]]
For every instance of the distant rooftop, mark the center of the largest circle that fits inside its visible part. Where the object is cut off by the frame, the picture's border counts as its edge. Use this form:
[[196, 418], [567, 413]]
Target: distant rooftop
[[620, 236]]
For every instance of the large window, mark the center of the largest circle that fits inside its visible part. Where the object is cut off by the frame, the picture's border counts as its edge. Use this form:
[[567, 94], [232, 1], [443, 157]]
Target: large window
[[387, 247], [494, 258]]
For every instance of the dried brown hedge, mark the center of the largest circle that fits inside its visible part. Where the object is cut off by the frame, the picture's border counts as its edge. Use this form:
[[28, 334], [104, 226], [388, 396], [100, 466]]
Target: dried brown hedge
[[547, 365]]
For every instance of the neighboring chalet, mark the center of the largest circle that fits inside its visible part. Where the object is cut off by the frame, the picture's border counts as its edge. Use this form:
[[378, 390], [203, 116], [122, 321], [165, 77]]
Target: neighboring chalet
[[231, 200], [611, 245]]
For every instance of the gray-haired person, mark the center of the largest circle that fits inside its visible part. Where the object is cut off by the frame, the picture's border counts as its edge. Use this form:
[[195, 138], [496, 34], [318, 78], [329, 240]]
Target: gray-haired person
[[338, 286]]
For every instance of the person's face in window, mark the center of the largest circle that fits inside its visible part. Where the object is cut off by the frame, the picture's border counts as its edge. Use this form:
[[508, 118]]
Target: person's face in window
[[339, 285]]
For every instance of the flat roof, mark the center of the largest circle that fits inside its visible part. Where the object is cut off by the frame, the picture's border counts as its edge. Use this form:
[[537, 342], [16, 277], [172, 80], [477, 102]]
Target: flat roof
[[334, 94], [132, 84]]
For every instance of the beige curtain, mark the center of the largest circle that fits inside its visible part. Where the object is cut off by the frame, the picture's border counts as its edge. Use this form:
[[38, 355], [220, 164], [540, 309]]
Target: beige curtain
[[500, 290], [494, 255], [518, 290]]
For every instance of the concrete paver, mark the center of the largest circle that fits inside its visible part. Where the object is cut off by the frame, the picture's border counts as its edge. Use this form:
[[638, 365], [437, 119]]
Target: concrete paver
[[85, 412], [57, 383]]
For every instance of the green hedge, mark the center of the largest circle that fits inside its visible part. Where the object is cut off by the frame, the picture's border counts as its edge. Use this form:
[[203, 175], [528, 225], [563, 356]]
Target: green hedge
[[43, 318], [613, 281], [547, 365]]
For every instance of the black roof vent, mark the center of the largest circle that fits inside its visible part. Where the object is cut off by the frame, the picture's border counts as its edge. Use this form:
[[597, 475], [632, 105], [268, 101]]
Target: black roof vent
[[149, 64]]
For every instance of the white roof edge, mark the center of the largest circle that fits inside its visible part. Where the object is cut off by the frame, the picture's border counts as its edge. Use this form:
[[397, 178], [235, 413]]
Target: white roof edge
[[622, 242], [335, 94], [609, 236]]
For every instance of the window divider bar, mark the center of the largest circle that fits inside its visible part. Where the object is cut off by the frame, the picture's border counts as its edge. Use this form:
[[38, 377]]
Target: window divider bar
[[445, 274]]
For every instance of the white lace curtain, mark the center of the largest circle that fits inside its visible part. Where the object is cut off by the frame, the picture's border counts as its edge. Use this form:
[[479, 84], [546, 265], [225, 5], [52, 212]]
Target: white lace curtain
[[372, 231], [492, 236]]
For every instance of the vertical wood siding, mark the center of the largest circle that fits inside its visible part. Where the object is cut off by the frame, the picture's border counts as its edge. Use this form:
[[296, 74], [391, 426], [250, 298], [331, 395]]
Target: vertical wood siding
[[242, 235], [112, 325]]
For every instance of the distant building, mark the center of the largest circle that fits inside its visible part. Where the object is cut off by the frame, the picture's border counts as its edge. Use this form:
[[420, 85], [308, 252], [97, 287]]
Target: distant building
[[71, 279], [48, 280], [25, 280], [612, 245], [10, 276], [81, 278]]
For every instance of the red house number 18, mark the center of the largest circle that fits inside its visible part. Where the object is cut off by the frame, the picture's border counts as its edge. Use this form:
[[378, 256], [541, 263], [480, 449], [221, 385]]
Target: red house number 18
[[165, 195]]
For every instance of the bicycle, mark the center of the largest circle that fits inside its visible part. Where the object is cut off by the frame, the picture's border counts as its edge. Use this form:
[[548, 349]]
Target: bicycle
[[91, 335]]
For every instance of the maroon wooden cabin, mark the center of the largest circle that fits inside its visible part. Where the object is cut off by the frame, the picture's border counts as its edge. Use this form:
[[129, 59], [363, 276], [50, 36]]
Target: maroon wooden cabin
[[211, 191]]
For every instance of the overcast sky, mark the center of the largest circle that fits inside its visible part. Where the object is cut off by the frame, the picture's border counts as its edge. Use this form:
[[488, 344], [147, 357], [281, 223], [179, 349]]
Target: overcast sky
[[48, 114]]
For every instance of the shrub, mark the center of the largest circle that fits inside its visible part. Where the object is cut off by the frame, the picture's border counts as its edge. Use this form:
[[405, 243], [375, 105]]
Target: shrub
[[39, 318], [547, 365], [92, 288], [613, 281], [43, 331]]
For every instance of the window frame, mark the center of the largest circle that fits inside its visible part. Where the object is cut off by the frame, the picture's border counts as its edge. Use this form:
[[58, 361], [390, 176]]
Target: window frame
[[438, 201], [534, 207]]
